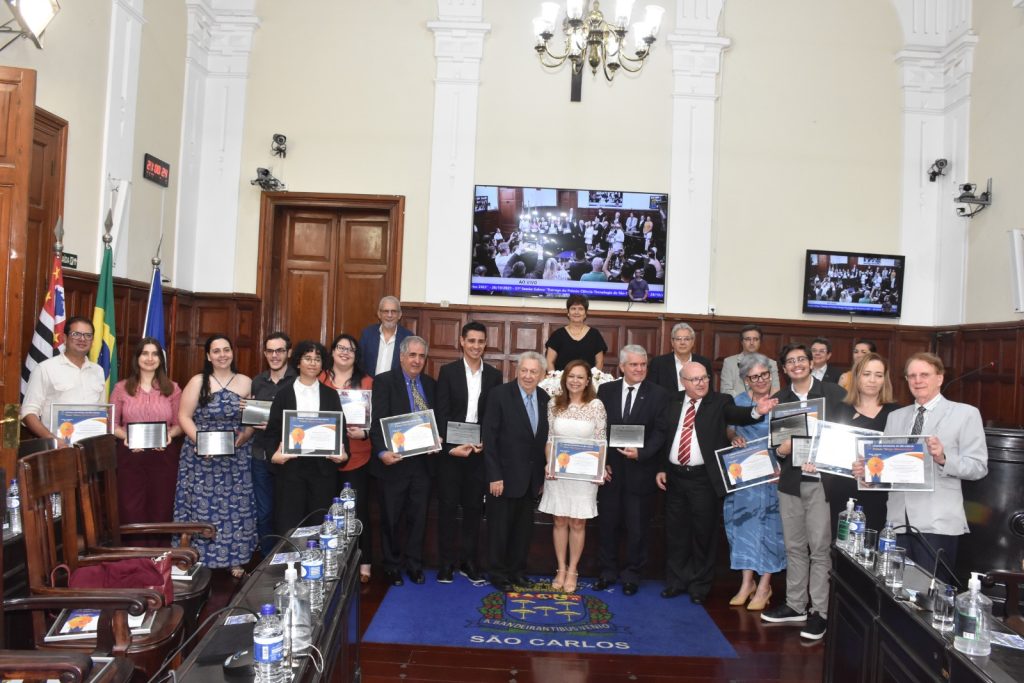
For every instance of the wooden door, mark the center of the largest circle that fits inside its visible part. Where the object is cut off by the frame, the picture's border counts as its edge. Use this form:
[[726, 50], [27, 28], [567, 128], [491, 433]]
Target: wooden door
[[17, 102]]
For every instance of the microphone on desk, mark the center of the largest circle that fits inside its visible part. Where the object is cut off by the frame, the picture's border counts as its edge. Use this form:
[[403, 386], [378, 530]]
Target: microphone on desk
[[969, 373], [926, 601]]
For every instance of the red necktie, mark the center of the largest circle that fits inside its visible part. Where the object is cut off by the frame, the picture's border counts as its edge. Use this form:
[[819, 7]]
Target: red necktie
[[687, 434]]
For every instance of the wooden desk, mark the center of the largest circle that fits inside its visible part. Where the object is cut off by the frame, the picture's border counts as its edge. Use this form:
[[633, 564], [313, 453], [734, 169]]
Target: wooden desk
[[335, 633], [872, 637]]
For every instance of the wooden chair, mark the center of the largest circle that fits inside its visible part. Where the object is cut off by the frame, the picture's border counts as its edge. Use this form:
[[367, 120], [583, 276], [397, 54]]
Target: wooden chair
[[97, 485], [30, 446], [40, 476], [1013, 581]]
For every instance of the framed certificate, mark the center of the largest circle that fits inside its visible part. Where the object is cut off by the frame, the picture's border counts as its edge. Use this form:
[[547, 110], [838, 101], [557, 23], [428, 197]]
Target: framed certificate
[[580, 459], [462, 432], [896, 463], [750, 465], [801, 454], [412, 433], [355, 403], [209, 443], [626, 436], [814, 408], [312, 433], [72, 422], [834, 447], [786, 427], [143, 435], [256, 412]]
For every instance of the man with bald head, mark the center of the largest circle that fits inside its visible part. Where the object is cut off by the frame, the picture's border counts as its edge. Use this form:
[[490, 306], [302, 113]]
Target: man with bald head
[[691, 477], [379, 344]]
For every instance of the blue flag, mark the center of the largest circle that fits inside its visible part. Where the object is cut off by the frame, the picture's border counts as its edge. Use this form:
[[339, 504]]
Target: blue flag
[[154, 325]]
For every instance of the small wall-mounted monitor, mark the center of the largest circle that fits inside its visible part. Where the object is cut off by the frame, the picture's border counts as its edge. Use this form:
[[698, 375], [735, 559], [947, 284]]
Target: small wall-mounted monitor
[[855, 283], [552, 242]]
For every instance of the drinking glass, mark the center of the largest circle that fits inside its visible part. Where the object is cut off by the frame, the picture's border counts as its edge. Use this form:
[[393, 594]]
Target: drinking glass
[[942, 608], [897, 563], [866, 552]]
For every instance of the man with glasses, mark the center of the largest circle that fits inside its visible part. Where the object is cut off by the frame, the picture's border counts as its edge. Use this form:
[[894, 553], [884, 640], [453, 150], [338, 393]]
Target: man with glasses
[[68, 378], [803, 505], [821, 353], [665, 370], [277, 349], [693, 480], [379, 344], [731, 381]]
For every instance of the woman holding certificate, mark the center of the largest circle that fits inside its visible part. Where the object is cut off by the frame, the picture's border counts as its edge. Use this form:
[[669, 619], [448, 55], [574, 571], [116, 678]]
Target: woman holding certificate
[[305, 483], [146, 405], [574, 413], [751, 515], [214, 477], [346, 375]]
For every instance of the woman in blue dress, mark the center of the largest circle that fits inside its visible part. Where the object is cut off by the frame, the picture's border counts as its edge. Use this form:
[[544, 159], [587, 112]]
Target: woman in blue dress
[[752, 521], [217, 489]]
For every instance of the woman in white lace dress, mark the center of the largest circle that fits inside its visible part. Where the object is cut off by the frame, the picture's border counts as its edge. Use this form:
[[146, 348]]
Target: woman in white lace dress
[[576, 412]]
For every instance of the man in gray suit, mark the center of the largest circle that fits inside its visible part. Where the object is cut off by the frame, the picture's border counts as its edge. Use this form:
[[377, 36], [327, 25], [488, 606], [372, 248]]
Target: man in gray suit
[[731, 383], [956, 443]]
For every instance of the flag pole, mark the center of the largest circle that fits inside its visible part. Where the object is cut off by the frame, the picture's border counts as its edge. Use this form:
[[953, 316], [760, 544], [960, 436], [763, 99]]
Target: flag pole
[[58, 232]]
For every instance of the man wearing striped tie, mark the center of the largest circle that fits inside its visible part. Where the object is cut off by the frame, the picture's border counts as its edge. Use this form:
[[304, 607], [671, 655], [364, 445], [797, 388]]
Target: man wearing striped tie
[[693, 481]]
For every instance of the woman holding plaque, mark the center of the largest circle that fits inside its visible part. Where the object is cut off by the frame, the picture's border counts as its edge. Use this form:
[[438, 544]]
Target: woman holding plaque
[[751, 515], [574, 413], [217, 488], [146, 475], [577, 340], [303, 485], [345, 373]]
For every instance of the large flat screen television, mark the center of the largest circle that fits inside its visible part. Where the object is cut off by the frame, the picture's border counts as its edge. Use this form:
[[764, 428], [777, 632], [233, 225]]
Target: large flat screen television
[[553, 242], [847, 283]]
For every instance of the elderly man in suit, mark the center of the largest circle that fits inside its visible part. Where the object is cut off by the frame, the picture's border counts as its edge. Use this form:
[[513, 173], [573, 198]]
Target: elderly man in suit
[[515, 429], [693, 480], [626, 498], [379, 344], [405, 481], [462, 390], [665, 370], [731, 382]]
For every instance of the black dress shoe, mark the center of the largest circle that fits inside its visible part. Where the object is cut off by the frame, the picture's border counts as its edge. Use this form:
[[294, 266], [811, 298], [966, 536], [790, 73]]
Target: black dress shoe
[[629, 588], [698, 599], [520, 581], [501, 584], [416, 576], [445, 574], [603, 583], [672, 592], [469, 570], [393, 577]]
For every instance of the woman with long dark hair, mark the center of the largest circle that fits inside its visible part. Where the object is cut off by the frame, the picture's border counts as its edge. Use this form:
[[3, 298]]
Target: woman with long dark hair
[[217, 489]]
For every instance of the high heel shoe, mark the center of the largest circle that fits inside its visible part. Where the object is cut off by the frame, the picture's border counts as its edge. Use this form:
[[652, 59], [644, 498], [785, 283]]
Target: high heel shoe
[[570, 583], [741, 597], [758, 605], [558, 583]]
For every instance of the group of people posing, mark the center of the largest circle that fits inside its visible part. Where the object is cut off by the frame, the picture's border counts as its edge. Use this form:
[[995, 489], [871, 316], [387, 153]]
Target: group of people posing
[[260, 491]]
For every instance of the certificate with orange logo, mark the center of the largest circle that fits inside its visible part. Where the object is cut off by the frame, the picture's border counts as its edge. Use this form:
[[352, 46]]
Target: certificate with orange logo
[[412, 433], [745, 466], [72, 422], [316, 433], [896, 463], [580, 459]]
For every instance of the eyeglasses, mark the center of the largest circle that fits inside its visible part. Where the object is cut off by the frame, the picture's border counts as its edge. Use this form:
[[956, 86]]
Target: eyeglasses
[[763, 377], [388, 311], [275, 352], [344, 349], [697, 380], [682, 339], [80, 335], [312, 360], [797, 361]]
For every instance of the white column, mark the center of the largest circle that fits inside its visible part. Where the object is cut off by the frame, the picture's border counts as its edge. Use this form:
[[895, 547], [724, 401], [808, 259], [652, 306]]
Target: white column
[[696, 62], [126, 20], [458, 47], [220, 36], [936, 65]]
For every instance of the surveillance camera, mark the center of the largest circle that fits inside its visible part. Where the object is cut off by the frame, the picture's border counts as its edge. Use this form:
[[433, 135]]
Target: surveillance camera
[[968, 188], [262, 173], [941, 163], [280, 139]]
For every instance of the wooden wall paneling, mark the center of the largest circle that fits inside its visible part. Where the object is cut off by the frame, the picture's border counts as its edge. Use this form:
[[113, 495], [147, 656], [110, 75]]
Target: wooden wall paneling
[[442, 330], [527, 336], [182, 339], [992, 389], [642, 333], [613, 333], [248, 340]]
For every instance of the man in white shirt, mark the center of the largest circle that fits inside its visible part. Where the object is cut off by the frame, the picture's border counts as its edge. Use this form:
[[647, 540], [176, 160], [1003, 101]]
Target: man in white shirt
[[731, 383], [379, 344], [68, 378]]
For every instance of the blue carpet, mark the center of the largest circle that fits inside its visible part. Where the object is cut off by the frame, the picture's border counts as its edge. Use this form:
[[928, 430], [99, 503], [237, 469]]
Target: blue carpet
[[464, 614]]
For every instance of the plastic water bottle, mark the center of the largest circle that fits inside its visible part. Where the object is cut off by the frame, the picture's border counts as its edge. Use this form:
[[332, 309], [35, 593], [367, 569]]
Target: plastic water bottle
[[329, 545], [857, 524], [886, 542], [843, 532], [337, 510], [312, 561], [268, 648], [972, 622], [14, 507], [292, 601], [348, 499]]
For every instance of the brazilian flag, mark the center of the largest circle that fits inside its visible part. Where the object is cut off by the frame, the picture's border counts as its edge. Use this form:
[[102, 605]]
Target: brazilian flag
[[104, 343]]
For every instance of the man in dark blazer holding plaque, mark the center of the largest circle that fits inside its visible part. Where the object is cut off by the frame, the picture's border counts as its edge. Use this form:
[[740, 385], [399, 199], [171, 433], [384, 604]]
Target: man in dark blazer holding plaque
[[626, 498], [462, 390], [693, 480], [515, 429], [405, 480]]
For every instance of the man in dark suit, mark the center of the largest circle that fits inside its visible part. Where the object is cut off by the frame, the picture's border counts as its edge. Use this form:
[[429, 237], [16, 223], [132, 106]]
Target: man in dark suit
[[693, 480], [821, 353], [664, 370], [626, 498], [405, 481], [515, 430], [462, 390], [379, 344]]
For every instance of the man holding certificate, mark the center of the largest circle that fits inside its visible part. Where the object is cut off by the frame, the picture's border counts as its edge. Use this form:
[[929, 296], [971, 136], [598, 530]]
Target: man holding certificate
[[462, 389], [632, 461], [405, 479]]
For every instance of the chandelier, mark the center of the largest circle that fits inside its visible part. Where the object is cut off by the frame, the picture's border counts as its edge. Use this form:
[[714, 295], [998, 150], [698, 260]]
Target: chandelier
[[591, 39]]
